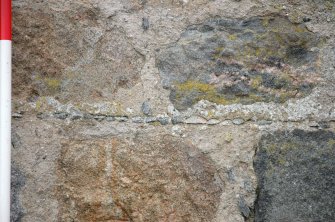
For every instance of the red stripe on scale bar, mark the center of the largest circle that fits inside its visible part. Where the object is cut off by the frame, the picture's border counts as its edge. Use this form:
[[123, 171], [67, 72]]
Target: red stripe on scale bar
[[5, 20]]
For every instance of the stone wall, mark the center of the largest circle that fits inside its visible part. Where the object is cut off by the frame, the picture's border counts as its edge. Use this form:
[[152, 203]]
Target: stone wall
[[173, 110]]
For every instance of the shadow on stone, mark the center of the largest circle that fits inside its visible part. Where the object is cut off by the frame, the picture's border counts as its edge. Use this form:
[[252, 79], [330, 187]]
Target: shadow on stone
[[17, 182]]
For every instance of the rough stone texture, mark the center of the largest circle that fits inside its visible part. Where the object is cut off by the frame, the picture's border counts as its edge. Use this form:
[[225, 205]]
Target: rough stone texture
[[296, 176], [77, 54], [241, 61], [100, 171], [107, 92], [112, 179], [17, 182]]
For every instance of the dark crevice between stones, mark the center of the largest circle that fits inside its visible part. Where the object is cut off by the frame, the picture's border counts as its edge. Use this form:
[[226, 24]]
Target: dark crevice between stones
[[17, 182], [247, 212], [258, 183]]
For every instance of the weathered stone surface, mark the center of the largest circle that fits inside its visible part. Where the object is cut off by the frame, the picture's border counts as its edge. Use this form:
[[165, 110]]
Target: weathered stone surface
[[17, 182], [296, 176], [61, 156], [146, 108], [244, 208], [241, 61], [148, 179], [82, 70], [70, 53]]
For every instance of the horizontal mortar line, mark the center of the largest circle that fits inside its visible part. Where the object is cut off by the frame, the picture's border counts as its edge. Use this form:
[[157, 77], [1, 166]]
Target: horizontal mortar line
[[151, 120]]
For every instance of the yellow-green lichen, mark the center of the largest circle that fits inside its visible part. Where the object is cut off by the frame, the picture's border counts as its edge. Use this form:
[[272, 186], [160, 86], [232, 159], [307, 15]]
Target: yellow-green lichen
[[329, 5], [196, 91], [300, 29], [265, 47], [331, 142], [255, 98], [155, 123], [217, 52], [284, 96], [195, 85], [256, 82], [207, 91], [287, 146], [42, 105], [265, 22], [210, 114], [38, 105], [228, 137], [232, 37], [281, 161], [52, 83], [271, 148]]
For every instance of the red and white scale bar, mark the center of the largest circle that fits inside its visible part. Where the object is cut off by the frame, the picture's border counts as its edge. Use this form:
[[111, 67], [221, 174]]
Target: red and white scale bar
[[5, 107]]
